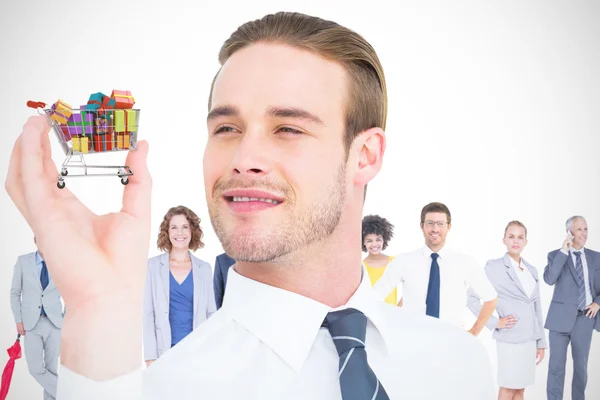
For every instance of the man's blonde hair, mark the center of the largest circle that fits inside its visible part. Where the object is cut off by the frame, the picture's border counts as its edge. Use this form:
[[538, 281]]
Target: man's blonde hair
[[367, 101]]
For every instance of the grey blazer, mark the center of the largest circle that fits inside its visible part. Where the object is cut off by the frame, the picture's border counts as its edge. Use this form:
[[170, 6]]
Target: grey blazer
[[512, 300], [27, 296], [157, 329], [560, 272]]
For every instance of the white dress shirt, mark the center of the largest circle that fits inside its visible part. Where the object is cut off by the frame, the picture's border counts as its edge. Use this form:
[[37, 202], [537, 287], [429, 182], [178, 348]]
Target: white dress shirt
[[525, 278], [267, 343], [586, 274], [409, 272]]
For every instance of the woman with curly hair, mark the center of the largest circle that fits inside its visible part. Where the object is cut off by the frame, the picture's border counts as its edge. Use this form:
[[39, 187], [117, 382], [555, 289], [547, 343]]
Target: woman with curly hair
[[179, 291], [376, 235]]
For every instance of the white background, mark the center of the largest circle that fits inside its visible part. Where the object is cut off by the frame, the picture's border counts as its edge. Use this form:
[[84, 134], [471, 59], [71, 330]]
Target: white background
[[493, 110]]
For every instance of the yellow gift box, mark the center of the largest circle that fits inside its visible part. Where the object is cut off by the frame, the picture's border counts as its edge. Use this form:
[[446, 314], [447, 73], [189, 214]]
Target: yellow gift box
[[125, 120], [123, 140], [60, 112], [80, 144]]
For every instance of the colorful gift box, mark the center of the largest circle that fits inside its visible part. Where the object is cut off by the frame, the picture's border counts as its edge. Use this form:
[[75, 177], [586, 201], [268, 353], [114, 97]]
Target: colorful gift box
[[123, 99], [123, 140], [100, 102], [125, 120], [108, 143], [65, 132], [80, 144], [125, 124], [82, 124], [85, 113], [60, 112], [105, 130], [98, 142], [104, 125]]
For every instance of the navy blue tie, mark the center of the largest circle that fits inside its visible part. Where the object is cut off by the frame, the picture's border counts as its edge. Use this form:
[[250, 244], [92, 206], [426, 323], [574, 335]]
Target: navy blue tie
[[44, 281], [433, 289], [348, 329]]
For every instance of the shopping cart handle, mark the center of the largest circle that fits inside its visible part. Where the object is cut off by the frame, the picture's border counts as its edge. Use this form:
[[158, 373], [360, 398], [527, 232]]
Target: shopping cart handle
[[36, 104]]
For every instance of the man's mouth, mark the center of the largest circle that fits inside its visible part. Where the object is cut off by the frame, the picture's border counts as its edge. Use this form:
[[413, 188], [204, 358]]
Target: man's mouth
[[246, 199]]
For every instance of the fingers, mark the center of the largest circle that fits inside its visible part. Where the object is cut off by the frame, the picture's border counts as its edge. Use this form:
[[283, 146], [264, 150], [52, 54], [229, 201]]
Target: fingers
[[36, 187], [137, 194], [589, 310], [13, 181], [539, 356], [508, 322]]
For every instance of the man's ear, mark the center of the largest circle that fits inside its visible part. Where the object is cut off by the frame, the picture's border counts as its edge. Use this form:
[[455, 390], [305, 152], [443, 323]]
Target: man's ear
[[370, 147]]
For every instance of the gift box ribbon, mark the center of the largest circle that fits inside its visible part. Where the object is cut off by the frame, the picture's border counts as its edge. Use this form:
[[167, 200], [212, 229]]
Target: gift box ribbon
[[102, 106], [57, 112]]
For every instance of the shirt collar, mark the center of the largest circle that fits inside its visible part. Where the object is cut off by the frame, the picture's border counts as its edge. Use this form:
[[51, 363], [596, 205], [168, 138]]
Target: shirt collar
[[257, 307], [38, 258], [427, 252], [513, 262], [582, 251]]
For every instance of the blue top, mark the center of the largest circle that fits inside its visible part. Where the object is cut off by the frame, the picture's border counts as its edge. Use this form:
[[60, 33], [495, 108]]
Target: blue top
[[181, 307]]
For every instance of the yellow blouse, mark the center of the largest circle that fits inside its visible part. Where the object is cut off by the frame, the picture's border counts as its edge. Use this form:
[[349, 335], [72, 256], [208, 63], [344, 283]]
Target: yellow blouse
[[375, 273]]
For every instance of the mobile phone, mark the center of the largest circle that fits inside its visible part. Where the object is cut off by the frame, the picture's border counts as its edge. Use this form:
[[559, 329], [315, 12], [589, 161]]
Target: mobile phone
[[571, 235]]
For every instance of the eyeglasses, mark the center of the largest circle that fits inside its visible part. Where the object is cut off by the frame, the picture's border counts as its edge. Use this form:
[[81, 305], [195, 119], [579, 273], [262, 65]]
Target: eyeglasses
[[430, 224]]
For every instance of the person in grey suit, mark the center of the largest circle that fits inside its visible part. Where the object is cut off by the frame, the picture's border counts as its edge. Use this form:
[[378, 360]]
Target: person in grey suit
[[573, 270], [179, 293], [519, 330], [38, 313], [222, 264]]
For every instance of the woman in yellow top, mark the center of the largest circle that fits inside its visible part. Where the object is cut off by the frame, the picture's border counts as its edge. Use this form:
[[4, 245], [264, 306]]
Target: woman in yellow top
[[376, 234]]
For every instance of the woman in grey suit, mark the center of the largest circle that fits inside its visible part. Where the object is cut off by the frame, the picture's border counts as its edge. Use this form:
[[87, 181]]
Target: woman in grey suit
[[179, 291], [519, 330]]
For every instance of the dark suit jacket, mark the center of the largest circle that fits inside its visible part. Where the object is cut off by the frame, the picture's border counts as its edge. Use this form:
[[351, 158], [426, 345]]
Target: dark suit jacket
[[222, 264], [560, 272]]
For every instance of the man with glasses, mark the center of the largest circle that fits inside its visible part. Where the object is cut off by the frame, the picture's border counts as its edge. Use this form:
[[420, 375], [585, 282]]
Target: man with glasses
[[434, 280]]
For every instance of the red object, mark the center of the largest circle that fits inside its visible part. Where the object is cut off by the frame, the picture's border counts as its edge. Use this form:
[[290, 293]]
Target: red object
[[123, 99], [14, 353], [36, 104], [66, 133], [108, 140], [98, 139]]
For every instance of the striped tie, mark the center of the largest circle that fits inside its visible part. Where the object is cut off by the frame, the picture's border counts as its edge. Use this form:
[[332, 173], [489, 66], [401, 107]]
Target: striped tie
[[348, 329], [580, 280]]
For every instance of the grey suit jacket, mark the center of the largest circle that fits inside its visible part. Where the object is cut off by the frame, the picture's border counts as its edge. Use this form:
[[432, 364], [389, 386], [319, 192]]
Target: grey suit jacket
[[512, 300], [27, 296], [157, 329], [560, 273]]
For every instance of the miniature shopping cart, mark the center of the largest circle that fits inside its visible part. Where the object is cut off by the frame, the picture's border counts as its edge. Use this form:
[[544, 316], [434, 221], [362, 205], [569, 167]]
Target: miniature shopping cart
[[85, 132]]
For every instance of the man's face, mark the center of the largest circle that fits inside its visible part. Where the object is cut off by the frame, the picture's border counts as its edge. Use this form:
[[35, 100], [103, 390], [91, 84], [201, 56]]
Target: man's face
[[579, 230], [274, 164], [435, 228]]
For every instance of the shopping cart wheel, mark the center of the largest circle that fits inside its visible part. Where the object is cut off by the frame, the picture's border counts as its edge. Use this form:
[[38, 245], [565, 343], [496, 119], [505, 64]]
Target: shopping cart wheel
[[124, 181], [61, 184], [64, 172]]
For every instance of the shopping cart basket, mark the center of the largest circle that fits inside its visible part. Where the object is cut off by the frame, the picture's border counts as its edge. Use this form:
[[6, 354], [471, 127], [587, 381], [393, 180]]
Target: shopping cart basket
[[90, 132]]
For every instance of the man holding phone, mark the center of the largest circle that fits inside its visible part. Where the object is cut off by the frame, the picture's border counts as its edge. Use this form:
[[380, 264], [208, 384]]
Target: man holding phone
[[573, 315]]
